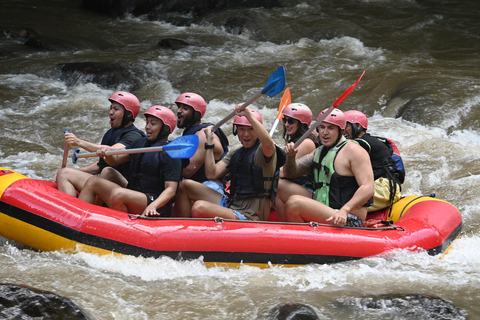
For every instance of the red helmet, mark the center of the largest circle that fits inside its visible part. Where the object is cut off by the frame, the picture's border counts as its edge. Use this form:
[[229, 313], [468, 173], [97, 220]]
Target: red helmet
[[163, 113], [336, 117], [193, 100], [298, 111], [128, 101], [243, 121], [355, 116]]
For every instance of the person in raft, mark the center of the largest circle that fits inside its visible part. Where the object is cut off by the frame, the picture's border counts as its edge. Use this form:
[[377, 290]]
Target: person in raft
[[253, 167], [191, 109], [343, 178], [388, 169], [296, 119], [124, 108], [153, 176]]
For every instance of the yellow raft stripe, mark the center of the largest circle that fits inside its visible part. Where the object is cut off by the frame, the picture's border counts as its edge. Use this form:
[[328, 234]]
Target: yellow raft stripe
[[7, 179]]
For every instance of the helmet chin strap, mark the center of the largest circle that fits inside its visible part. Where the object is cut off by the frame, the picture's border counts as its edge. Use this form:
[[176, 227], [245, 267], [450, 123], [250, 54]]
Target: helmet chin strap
[[127, 118]]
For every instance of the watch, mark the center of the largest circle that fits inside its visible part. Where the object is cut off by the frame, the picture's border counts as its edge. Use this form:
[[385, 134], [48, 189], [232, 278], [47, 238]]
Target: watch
[[209, 146]]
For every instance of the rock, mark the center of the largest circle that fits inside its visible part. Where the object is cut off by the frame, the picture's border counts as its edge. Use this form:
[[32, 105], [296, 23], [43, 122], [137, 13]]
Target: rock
[[22, 302], [293, 311], [171, 43], [107, 75]]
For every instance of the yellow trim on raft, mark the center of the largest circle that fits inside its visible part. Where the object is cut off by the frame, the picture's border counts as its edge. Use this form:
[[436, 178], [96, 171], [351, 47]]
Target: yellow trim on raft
[[400, 207], [9, 178]]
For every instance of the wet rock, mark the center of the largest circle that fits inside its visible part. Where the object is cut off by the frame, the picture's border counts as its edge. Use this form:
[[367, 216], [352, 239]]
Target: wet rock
[[171, 43], [22, 302], [107, 75], [399, 306], [414, 102], [50, 44], [163, 9], [293, 311]]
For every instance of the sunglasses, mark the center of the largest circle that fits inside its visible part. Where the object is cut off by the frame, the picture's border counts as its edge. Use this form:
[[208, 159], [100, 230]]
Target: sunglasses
[[289, 120]]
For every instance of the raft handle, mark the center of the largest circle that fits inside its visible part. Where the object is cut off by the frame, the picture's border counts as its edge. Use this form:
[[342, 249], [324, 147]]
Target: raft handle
[[218, 220], [314, 224]]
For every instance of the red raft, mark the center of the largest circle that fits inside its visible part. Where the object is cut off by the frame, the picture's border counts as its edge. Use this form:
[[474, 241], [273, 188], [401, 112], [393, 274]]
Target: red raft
[[36, 214]]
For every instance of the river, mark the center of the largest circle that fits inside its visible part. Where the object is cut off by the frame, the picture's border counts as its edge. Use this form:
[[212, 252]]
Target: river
[[421, 88]]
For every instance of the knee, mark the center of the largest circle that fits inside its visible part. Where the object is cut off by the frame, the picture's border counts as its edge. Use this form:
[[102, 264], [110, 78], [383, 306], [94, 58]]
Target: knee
[[293, 203], [107, 172], [199, 207]]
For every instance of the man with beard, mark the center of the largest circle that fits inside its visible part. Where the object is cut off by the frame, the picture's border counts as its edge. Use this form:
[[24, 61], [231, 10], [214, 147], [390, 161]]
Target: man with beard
[[191, 109], [124, 109]]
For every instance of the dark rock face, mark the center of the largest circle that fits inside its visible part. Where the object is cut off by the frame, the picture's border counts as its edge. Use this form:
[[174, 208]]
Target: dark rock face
[[108, 75], [293, 311], [161, 8], [21, 302]]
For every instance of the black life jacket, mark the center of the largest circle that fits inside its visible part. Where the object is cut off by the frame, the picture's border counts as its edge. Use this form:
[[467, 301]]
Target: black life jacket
[[200, 175], [246, 179], [145, 169], [110, 138]]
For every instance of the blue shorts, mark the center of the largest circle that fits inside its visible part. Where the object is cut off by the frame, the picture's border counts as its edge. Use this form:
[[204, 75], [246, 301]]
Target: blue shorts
[[237, 214], [215, 185]]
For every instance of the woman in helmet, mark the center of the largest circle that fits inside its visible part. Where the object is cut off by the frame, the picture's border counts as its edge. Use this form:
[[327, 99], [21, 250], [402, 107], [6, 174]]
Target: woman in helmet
[[296, 119], [343, 178], [124, 108], [252, 167], [153, 178]]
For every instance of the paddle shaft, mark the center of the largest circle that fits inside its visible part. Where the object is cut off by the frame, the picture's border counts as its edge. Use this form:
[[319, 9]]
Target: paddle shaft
[[65, 153], [125, 151], [275, 124], [232, 114]]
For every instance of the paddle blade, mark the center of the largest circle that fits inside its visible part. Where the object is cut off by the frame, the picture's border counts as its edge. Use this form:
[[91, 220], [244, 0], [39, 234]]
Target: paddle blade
[[347, 92], [276, 83], [286, 100], [182, 147]]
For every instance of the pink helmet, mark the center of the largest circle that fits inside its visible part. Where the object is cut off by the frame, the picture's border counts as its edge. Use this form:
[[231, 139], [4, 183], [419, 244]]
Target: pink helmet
[[298, 111], [243, 121], [166, 115], [128, 101], [355, 116], [193, 100], [336, 117]]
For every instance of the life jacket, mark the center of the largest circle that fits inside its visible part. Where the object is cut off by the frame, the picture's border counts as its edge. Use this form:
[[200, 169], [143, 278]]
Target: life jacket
[[331, 188], [386, 162], [246, 179], [200, 175], [112, 137], [145, 169]]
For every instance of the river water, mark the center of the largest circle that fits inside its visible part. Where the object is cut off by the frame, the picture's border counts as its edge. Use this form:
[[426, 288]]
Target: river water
[[421, 88]]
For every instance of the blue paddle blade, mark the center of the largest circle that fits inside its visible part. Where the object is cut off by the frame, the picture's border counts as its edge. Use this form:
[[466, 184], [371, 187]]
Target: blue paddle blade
[[182, 147], [276, 83]]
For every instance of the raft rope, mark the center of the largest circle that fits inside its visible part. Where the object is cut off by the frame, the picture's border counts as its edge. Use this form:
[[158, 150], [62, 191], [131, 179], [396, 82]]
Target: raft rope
[[313, 224]]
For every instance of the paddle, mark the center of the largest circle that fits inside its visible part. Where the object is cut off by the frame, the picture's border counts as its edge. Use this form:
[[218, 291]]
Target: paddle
[[275, 84], [181, 147], [65, 153], [286, 100], [333, 106]]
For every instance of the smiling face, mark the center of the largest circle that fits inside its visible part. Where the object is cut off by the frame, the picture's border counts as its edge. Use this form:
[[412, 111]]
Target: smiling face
[[185, 115], [116, 115], [153, 126], [328, 134], [348, 131], [291, 125], [247, 136]]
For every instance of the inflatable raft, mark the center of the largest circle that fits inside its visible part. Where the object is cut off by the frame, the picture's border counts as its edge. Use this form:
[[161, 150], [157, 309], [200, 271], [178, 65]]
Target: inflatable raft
[[34, 213]]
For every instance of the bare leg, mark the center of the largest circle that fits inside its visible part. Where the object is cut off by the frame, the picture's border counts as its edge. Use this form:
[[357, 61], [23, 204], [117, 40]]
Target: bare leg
[[70, 180], [286, 189], [205, 209], [113, 175], [190, 191], [302, 209], [127, 200]]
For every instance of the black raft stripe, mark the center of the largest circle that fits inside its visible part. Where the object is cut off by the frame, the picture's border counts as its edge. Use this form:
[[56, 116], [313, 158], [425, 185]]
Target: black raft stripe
[[127, 249]]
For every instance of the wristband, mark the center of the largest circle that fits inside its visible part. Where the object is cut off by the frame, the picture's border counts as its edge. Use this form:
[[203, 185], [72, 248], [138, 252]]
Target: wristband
[[209, 146]]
